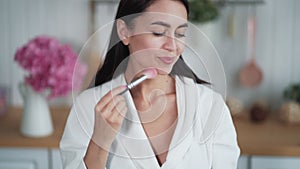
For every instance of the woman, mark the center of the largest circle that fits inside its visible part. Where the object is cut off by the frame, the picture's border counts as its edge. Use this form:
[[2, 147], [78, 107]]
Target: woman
[[170, 121]]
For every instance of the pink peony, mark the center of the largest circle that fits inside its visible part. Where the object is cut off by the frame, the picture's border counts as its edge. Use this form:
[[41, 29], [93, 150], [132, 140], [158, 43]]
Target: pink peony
[[51, 66]]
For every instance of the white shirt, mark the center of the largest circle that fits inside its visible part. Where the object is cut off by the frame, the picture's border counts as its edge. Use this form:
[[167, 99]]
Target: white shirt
[[204, 136]]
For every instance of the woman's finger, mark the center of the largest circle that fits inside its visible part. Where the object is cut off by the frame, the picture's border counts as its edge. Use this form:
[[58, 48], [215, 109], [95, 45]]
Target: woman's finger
[[118, 109], [108, 97], [112, 104], [122, 114]]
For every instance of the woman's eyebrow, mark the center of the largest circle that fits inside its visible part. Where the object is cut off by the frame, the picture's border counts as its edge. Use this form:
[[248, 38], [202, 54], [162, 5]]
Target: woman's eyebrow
[[183, 25], [161, 23]]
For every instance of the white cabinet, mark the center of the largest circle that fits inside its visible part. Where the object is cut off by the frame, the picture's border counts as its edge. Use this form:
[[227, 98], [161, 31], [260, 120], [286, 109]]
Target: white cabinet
[[267, 162], [17, 165], [42, 158], [243, 162], [21, 158], [55, 159], [30, 158]]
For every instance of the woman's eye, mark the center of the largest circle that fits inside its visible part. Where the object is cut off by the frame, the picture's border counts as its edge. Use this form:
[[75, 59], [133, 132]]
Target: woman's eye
[[158, 33], [180, 35]]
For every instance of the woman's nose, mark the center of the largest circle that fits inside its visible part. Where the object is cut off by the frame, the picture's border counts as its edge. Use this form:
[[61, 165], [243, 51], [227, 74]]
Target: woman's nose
[[170, 43]]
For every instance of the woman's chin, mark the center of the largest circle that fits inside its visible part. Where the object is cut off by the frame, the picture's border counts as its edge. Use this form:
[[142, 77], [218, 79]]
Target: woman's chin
[[163, 71]]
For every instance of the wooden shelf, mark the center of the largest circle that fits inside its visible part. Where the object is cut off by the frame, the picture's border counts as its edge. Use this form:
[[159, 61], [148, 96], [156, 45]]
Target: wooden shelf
[[238, 2], [10, 135], [219, 2]]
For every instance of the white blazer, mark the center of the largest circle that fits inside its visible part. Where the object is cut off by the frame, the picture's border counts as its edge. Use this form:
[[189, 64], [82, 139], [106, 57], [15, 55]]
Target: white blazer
[[204, 137]]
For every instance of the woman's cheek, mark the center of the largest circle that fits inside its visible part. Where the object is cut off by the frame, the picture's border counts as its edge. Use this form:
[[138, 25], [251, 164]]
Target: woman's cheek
[[180, 46]]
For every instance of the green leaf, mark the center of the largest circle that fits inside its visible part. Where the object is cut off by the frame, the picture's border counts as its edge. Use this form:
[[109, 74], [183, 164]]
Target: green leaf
[[203, 11]]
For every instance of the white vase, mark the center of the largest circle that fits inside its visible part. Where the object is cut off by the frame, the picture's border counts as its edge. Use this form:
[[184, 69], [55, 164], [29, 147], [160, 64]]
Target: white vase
[[36, 117]]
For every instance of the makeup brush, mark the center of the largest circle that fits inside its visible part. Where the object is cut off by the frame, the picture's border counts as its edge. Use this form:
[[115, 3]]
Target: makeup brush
[[147, 74]]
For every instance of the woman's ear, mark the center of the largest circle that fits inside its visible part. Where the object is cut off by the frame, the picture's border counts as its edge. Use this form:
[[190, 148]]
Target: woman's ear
[[123, 31]]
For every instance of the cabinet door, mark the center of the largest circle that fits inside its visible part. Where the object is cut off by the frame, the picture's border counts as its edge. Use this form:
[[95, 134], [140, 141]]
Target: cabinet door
[[17, 165], [243, 162], [21, 158], [56, 159], [266, 162]]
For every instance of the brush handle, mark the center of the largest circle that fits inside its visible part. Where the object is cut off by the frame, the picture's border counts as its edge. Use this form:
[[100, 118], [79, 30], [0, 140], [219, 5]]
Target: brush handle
[[124, 90], [134, 83]]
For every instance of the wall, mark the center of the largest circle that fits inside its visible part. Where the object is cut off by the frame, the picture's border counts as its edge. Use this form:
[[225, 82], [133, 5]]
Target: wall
[[276, 53], [278, 37], [277, 49], [22, 20]]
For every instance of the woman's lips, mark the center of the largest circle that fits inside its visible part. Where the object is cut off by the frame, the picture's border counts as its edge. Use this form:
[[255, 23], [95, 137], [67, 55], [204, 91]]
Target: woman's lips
[[167, 60]]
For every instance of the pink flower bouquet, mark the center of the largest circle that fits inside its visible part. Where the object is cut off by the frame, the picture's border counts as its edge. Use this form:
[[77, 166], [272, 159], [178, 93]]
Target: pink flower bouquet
[[51, 66]]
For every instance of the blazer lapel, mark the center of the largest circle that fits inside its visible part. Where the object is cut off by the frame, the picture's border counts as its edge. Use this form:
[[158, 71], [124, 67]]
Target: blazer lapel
[[134, 139], [131, 142], [183, 135]]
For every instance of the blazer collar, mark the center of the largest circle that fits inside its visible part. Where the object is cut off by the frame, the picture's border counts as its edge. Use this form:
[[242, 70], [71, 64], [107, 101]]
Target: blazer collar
[[132, 141]]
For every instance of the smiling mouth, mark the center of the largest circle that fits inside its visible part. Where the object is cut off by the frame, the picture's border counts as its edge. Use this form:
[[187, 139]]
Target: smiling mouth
[[167, 60]]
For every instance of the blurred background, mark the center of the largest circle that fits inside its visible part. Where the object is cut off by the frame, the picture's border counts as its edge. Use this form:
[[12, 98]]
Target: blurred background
[[277, 52], [72, 22]]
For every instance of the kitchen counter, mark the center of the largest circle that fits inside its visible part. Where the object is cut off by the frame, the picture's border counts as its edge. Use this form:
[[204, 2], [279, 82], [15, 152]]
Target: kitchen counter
[[271, 137], [10, 135]]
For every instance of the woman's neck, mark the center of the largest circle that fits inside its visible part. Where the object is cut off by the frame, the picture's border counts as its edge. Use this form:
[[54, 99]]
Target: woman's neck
[[161, 84]]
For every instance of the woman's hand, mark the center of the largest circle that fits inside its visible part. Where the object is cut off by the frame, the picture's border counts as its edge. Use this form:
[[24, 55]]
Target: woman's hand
[[109, 115]]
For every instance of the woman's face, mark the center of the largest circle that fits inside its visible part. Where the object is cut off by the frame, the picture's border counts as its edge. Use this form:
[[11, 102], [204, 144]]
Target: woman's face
[[157, 37]]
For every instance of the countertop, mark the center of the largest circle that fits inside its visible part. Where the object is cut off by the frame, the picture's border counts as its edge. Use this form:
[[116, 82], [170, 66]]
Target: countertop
[[10, 135], [271, 137]]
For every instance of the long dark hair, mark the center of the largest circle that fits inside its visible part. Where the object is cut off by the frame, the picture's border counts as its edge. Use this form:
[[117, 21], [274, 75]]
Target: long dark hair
[[117, 51]]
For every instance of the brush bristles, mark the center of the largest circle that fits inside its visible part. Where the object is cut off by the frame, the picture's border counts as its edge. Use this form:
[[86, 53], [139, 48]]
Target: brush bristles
[[150, 73]]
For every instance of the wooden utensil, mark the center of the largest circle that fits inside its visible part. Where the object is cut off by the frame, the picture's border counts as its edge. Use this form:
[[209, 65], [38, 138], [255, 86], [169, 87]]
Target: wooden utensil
[[251, 75]]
